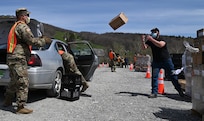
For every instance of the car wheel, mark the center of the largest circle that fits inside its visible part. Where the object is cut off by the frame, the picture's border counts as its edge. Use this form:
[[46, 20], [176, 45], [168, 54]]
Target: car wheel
[[56, 86]]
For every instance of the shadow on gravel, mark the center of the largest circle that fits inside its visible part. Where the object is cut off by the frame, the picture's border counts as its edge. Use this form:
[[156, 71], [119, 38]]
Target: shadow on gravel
[[85, 95], [75, 98], [177, 97], [132, 94], [34, 95], [9, 109], [176, 115]]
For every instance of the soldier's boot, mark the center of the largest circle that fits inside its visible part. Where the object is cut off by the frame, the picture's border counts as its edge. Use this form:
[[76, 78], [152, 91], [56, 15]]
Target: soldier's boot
[[23, 110], [85, 86], [7, 102]]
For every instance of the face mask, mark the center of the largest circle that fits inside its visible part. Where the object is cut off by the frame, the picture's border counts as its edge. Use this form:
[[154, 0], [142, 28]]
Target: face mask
[[27, 20], [154, 35]]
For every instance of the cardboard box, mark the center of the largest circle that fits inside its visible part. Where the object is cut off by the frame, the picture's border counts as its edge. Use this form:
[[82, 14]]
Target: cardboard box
[[182, 82], [118, 21], [198, 75], [198, 58], [198, 89], [188, 77], [200, 32]]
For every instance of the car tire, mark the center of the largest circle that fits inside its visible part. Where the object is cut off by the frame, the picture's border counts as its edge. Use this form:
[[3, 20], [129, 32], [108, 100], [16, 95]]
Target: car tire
[[56, 86]]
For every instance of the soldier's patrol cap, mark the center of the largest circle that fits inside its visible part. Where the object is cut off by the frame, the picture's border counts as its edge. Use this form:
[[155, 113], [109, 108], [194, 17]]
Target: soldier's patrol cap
[[155, 30], [22, 11]]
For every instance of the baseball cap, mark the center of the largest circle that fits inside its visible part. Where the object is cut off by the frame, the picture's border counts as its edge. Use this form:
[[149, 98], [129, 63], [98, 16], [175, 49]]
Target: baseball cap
[[22, 11], [154, 30]]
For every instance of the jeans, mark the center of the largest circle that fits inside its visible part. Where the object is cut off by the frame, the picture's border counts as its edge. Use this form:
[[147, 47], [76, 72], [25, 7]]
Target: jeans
[[168, 66]]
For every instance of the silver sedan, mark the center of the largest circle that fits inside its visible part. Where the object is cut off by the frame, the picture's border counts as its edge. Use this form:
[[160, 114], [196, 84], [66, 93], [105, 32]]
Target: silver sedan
[[46, 69]]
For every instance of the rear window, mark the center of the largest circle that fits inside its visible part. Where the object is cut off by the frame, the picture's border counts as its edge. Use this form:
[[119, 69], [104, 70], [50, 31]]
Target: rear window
[[3, 53], [6, 24], [45, 47], [5, 27]]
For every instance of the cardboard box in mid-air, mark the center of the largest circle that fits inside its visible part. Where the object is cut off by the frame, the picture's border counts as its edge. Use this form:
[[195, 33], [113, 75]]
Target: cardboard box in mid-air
[[118, 21]]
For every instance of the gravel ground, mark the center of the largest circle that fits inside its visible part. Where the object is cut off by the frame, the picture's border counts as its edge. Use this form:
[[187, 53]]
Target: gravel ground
[[112, 96]]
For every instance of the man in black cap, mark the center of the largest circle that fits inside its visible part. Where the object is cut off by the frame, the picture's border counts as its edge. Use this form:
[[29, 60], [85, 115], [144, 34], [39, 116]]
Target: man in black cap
[[20, 39], [161, 60]]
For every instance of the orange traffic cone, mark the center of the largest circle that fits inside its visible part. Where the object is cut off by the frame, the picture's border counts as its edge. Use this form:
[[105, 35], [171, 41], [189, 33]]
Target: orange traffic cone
[[148, 74], [99, 65], [107, 65], [161, 82], [131, 67]]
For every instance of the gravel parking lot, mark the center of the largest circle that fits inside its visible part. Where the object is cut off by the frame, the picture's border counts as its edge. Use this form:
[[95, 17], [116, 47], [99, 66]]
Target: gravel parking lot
[[112, 96]]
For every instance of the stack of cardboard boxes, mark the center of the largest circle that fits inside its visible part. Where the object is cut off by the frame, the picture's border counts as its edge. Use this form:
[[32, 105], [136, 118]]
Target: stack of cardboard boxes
[[198, 75], [142, 63], [187, 64]]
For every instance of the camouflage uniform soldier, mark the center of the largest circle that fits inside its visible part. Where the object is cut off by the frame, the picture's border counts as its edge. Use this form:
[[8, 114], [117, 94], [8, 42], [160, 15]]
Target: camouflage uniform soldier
[[71, 67], [19, 40]]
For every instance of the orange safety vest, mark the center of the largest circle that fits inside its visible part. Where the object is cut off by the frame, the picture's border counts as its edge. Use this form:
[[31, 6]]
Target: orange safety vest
[[111, 55], [60, 52], [12, 40]]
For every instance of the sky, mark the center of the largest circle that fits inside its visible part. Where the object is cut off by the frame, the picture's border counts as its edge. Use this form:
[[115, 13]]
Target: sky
[[172, 17]]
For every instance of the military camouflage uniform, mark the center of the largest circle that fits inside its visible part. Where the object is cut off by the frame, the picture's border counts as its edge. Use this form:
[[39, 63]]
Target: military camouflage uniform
[[113, 65], [17, 62], [71, 67]]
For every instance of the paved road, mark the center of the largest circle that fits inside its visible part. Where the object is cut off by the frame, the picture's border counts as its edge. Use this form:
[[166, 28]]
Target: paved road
[[112, 96]]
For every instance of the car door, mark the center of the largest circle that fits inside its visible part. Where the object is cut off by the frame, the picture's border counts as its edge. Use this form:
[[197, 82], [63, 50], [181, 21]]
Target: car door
[[85, 58]]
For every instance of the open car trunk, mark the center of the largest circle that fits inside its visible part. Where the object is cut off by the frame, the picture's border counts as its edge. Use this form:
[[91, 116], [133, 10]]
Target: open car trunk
[[6, 24]]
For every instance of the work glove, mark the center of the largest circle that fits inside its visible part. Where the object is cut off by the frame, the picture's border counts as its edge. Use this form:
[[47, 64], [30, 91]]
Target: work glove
[[47, 39]]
